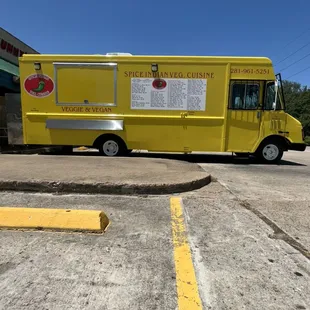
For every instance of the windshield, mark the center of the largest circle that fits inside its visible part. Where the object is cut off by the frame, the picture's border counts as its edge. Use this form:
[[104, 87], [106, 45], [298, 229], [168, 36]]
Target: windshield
[[271, 94]]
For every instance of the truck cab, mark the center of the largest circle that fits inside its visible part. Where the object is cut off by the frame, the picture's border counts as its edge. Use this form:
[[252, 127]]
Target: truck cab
[[282, 131]]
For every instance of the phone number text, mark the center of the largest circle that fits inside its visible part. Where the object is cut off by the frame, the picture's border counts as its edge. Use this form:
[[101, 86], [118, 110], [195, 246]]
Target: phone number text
[[250, 71]]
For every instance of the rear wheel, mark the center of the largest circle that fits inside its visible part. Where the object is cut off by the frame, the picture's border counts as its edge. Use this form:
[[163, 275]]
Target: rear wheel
[[270, 152], [112, 146]]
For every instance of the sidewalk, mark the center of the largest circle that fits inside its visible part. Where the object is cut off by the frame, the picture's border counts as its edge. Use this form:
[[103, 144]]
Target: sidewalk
[[69, 174]]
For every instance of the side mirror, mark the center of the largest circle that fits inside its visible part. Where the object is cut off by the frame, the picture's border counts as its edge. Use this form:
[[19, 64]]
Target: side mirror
[[276, 84], [276, 87]]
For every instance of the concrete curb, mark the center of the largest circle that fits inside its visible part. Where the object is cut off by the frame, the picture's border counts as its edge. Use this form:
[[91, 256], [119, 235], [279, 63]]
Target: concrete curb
[[53, 219], [104, 188]]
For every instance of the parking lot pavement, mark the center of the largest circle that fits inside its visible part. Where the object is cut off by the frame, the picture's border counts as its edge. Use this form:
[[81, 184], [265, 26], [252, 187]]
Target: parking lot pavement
[[279, 192], [131, 266], [238, 266], [135, 265], [244, 242]]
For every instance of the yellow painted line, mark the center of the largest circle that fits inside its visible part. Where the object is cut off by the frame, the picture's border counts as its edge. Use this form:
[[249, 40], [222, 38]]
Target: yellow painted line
[[187, 287], [53, 219]]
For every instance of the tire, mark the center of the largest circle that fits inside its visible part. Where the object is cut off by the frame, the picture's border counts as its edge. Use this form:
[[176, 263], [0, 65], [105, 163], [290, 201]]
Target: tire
[[112, 146], [270, 152]]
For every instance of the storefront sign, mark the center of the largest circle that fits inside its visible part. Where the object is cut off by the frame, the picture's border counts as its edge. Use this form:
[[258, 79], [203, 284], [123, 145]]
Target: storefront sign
[[11, 48]]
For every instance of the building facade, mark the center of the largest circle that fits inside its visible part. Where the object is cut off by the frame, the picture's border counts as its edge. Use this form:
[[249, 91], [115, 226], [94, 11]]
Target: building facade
[[10, 49]]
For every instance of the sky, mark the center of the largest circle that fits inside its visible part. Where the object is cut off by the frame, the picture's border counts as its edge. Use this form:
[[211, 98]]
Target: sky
[[170, 27]]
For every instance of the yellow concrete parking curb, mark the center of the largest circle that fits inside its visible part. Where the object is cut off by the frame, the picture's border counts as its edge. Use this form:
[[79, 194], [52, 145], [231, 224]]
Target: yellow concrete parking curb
[[53, 219]]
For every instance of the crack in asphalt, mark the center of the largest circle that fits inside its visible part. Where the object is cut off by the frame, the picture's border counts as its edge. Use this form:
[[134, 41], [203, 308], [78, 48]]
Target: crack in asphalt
[[278, 233]]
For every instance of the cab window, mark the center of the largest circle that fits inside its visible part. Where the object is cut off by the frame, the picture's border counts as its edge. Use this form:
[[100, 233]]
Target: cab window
[[244, 96]]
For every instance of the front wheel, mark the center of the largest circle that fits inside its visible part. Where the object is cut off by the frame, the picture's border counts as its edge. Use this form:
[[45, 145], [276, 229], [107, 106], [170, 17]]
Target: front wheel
[[112, 147], [270, 152]]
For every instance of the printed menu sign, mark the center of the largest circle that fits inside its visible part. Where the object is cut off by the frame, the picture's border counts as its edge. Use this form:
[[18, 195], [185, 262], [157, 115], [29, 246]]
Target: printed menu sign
[[168, 94]]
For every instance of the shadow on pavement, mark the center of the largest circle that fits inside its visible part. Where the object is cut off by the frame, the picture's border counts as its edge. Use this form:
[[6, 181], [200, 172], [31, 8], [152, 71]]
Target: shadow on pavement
[[211, 158], [194, 158]]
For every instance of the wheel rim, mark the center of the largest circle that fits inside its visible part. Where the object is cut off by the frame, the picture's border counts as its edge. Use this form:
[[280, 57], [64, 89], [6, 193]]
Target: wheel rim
[[110, 148], [271, 152]]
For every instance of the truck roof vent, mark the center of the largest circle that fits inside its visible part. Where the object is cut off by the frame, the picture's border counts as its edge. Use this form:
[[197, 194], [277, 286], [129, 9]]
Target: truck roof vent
[[118, 54]]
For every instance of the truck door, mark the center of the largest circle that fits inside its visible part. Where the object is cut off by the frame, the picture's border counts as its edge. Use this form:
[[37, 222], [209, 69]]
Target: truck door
[[244, 115], [274, 117]]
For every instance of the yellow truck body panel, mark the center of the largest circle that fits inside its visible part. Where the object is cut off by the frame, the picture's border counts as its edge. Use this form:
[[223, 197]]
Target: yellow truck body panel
[[155, 103]]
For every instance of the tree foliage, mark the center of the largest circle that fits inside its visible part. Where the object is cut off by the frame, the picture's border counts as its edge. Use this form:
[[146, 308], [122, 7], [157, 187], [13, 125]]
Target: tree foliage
[[297, 98]]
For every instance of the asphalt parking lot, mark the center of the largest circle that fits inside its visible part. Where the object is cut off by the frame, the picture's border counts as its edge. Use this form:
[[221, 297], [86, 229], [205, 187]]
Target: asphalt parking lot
[[248, 234]]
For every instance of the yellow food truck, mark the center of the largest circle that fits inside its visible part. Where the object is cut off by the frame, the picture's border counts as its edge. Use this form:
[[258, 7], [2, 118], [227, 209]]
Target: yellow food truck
[[119, 102]]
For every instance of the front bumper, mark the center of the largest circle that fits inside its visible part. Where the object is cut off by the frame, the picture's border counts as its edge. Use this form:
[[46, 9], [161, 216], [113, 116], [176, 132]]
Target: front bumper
[[297, 146]]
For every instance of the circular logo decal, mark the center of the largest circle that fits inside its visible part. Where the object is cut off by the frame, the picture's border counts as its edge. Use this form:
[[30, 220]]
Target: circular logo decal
[[159, 84], [39, 85]]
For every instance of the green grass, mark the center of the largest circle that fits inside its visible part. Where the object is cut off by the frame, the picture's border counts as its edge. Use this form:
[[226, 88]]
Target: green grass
[[307, 140]]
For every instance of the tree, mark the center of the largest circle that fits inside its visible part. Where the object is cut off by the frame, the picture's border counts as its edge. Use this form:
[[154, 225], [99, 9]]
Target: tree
[[297, 100]]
